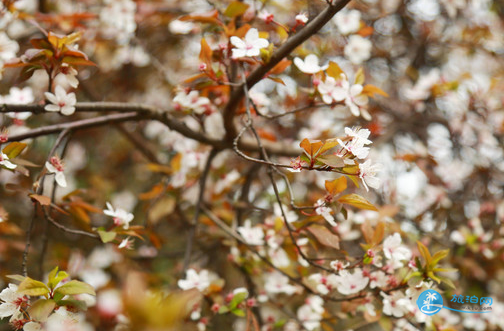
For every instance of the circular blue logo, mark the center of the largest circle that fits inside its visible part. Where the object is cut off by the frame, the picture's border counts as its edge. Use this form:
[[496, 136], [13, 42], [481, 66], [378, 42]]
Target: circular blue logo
[[430, 302]]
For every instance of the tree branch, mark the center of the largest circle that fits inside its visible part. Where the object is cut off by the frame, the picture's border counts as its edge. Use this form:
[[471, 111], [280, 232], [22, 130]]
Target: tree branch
[[283, 51]]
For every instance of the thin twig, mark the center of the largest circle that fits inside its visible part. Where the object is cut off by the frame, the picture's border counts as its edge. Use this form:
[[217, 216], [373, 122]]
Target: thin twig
[[201, 194]]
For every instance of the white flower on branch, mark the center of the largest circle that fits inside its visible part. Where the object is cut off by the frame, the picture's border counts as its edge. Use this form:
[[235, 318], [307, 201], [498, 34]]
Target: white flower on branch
[[394, 251], [251, 235], [348, 283], [55, 166], [250, 46], [200, 280], [4, 161], [358, 49], [61, 101], [120, 216], [367, 173], [277, 283], [347, 22], [310, 65], [12, 301]]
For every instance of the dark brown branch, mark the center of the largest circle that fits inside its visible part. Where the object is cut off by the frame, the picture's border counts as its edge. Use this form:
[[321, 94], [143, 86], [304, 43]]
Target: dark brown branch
[[132, 112], [283, 51], [80, 124]]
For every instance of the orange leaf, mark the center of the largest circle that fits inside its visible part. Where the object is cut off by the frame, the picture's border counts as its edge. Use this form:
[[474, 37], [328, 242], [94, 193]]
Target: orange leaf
[[205, 53], [153, 193], [366, 31], [211, 17], [334, 70], [280, 67], [311, 148], [371, 90], [336, 186], [324, 236], [266, 134], [357, 201], [42, 199]]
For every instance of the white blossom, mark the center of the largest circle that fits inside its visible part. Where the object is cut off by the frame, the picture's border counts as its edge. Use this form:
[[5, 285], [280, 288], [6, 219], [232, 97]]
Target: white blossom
[[394, 251], [367, 173], [200, 280], [348, 22], [325, 212], [56, 167], [120, 216], [251, 235], [396, 304], [277, 283], [12, 301], [250, 46], [349, 283], [4, 161], [310, 65], [61, 101], [358, 49]]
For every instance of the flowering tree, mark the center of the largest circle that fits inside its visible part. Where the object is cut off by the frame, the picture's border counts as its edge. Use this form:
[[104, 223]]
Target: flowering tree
[[250, 165]]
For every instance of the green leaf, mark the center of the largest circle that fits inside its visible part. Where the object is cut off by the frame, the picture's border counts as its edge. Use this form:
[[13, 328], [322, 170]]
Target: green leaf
[[32, 287], [236, 8], [357, 201], [439, 256], [447, 281], [75, 287], [223, 310], [333, 161], [55, 277], [14, 149], [79, 304], [424, 251], [359, 76], [237, 299], [107, 236], [238, 312], [41, 309], [18, 278]]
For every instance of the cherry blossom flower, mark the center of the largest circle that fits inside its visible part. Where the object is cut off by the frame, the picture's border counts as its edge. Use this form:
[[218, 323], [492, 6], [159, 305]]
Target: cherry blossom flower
[[325, 212], [310, 65], [192, 100], [367, 173], [200, 280], [358, 49], [4, 161], [348, 283], [378, 279], [296, 165], [56, 166], [61, 101], [396, 304], [251, 235], [333, 90], [277, 283], [181, 27], [69, 74], [358, 139], [348, 22], [126, 243], [12, 301], [8, 47], [226, 182], [394, 251], [120, 216], [301, 19], [32, 326], [309, 314], [323, 284], [266, 16], [339, 265], [250, 46], [356, 101], [19, 96]]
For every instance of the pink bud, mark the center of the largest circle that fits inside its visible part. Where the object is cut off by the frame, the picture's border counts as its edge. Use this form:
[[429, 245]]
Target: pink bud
[[202, 66]]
